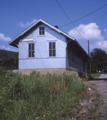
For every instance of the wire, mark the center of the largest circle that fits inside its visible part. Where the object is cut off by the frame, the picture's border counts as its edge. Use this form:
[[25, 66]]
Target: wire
[[70, 19], [90, 13], [86, 15]]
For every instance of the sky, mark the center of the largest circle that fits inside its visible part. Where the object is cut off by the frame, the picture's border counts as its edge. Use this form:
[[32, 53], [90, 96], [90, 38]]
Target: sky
[[17, 15]]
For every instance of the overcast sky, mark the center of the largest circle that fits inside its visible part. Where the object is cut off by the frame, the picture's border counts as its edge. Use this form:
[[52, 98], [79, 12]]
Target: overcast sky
[[16, 15]]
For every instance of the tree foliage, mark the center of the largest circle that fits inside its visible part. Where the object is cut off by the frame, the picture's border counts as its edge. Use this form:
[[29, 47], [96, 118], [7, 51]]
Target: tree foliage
[[6, 54], [10, 63], [99, 59]]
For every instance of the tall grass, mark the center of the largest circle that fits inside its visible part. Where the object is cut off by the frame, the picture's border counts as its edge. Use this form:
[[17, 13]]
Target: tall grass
[[39, 96]]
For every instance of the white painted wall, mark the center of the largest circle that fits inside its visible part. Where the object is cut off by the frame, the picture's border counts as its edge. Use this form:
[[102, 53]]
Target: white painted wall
[[42, 59]]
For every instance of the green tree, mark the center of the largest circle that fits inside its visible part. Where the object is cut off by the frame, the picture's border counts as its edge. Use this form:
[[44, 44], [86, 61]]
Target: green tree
[[10, 63], [99, 59]]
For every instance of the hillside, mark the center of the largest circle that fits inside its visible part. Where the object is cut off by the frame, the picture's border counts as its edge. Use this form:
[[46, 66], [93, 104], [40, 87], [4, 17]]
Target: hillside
[[6, 54]]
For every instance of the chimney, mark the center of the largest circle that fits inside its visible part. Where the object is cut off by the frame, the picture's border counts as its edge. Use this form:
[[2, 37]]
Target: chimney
[[56, 26]]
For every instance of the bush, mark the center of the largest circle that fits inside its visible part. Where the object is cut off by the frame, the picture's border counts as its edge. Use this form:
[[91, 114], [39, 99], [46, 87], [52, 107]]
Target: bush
[[28, 97]]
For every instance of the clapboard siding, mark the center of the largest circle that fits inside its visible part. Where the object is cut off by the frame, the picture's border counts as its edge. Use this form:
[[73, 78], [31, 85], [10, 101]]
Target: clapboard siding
[[44, 63], [41, 42]]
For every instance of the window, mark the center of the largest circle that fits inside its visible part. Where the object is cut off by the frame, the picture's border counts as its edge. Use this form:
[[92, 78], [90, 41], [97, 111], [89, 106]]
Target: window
[[31, 49], [52, 49], [41, 31]]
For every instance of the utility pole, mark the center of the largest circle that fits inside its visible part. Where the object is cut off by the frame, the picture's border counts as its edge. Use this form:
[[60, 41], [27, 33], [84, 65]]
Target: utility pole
[[89, 60], [88, 49]]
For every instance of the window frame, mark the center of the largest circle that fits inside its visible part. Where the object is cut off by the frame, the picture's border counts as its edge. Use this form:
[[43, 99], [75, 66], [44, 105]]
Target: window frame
[[31, 50], [41, 30], [52, 48]]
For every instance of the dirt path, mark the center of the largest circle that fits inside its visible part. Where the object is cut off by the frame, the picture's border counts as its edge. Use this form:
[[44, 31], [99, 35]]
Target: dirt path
[[103, 76], [101, 87]]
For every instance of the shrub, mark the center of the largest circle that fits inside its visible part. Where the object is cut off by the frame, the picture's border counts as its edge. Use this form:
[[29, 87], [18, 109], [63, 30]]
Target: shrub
[[27, 97]]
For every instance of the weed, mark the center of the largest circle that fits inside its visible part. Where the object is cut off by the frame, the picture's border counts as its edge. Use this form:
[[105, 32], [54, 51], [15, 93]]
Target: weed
[[95, 74], [35, 96]]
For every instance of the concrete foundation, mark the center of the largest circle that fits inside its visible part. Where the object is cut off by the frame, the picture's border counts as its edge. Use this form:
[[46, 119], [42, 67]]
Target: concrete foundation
[[45, 71]]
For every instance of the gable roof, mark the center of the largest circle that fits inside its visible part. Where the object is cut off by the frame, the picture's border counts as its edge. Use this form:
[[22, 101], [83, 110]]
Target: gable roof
[[15, 41]]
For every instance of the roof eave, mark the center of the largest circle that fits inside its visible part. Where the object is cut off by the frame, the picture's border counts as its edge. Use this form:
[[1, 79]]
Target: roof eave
[[33, 25]]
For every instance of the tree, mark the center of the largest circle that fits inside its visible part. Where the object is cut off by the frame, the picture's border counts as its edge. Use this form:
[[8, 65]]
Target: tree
[[10, 63], [99, 59]]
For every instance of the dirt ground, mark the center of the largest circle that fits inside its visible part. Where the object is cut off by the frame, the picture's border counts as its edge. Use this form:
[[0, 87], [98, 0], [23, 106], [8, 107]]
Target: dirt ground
[[100, 104]]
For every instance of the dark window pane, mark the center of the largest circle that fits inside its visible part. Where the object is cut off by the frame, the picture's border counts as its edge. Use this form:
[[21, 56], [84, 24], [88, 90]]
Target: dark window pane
[[43, 28], [41, 31], [54, 53], [49, 45], [29, 53], [33, 46], [32, 53], [31, 50], [29, 46], [50, 52], [53, 45]]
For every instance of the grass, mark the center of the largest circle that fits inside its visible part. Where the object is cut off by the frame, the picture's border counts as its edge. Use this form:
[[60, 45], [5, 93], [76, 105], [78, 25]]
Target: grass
[[90, 77], [38, 96], [95, 75]]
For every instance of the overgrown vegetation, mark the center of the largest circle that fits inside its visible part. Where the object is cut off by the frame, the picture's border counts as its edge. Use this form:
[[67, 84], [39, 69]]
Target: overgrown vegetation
[[10, 63], [95, 75], [92, 76], [38, 96]]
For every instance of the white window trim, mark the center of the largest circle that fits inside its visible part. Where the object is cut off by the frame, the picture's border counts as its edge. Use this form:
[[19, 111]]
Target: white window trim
[[28, 49], [41, 31], [48, 41]]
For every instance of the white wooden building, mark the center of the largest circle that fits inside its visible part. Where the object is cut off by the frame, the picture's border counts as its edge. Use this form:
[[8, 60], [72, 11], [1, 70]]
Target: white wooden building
[[46, 48]]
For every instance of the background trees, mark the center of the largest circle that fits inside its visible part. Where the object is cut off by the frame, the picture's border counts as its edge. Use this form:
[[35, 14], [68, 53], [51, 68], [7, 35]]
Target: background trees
[[8, 59], [6, 54], [99, 60]]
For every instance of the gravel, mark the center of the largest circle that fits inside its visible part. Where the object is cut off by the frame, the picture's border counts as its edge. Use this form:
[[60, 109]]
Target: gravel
[[103, 76], [101, 87]]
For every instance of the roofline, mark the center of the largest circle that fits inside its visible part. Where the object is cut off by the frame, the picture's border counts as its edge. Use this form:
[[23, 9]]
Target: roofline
[[47, 24], [34, 24]]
